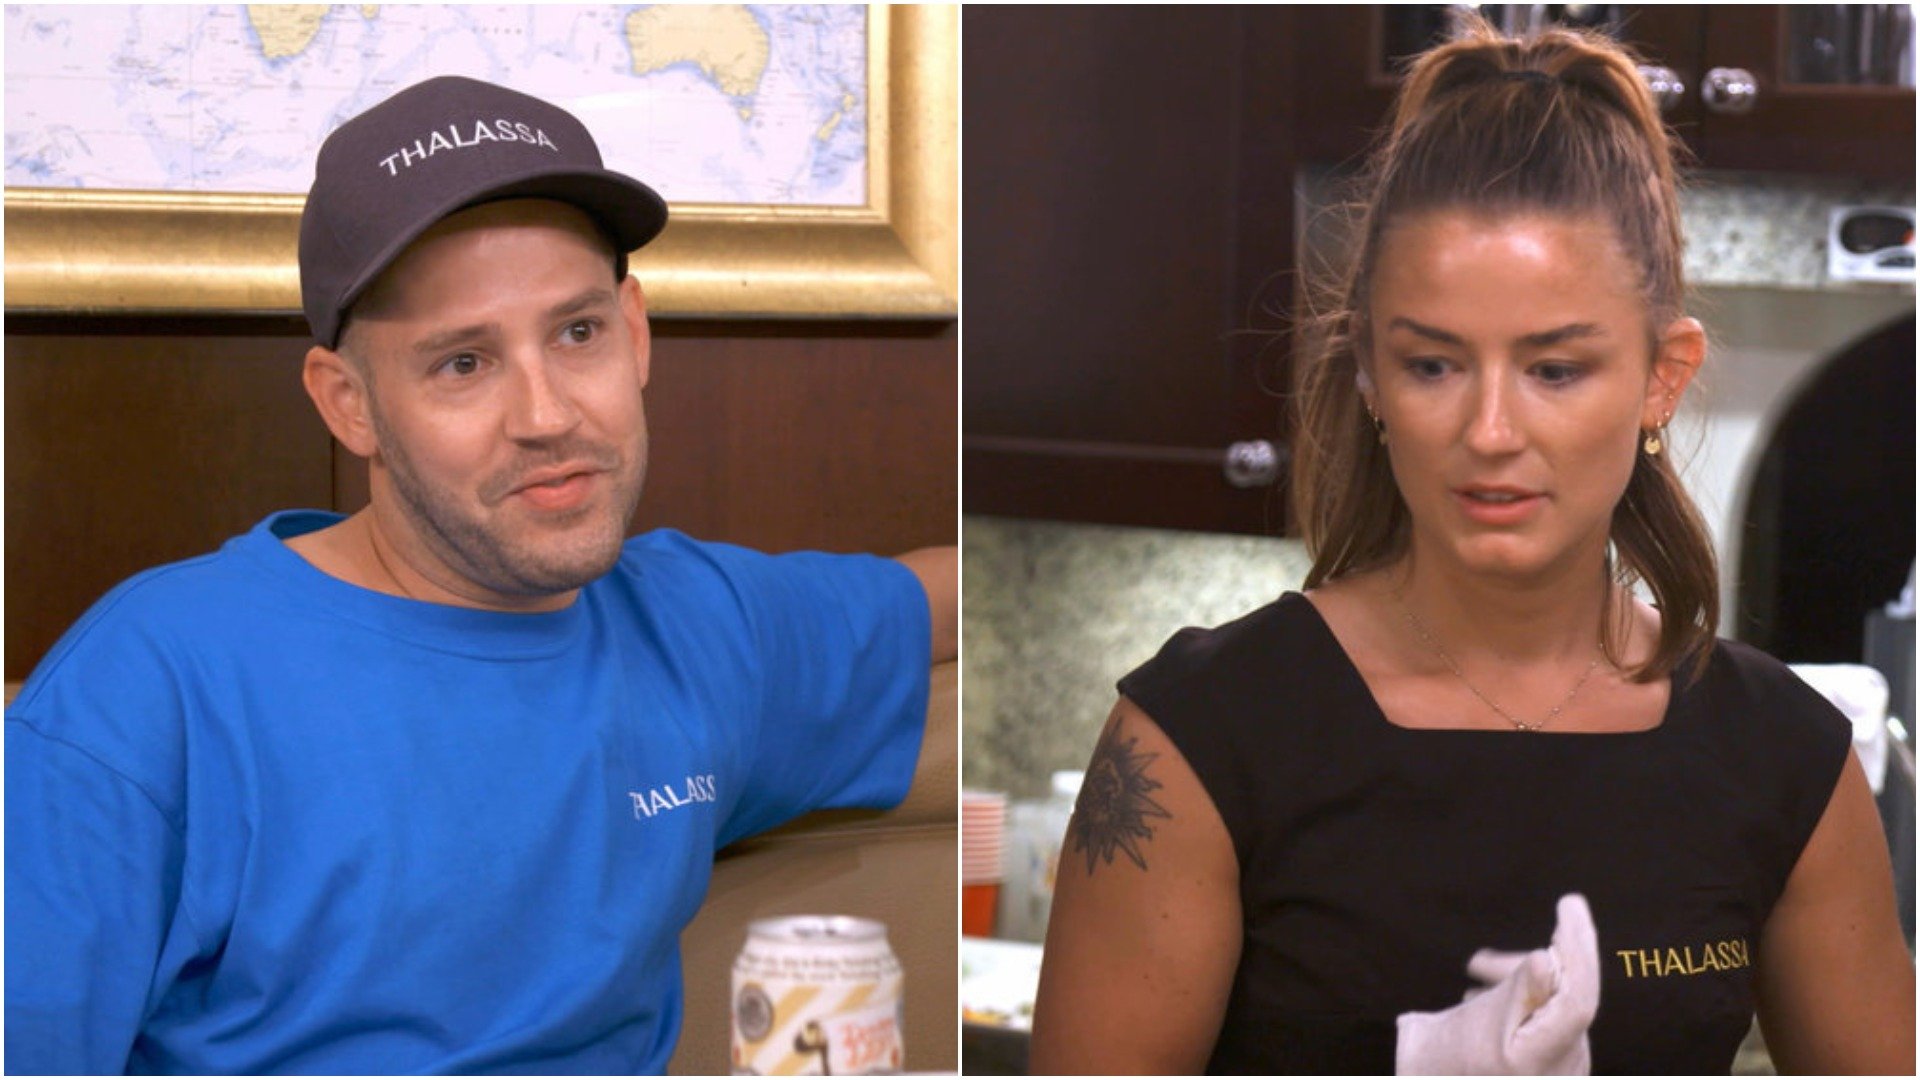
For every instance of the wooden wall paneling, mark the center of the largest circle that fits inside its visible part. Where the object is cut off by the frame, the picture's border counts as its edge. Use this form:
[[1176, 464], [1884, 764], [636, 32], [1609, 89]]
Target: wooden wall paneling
[[134, 443], [784, 436]]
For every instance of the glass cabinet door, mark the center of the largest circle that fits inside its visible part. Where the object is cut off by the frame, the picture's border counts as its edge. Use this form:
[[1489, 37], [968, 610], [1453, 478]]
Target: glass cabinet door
[[1848, 45]]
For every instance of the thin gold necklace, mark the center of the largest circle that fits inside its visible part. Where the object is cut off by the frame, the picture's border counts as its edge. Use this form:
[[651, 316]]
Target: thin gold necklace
[[1519, 724]]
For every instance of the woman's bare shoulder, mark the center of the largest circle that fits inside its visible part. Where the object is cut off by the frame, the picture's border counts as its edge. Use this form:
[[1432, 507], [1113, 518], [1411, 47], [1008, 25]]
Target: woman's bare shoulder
[[1357, 609], [1144, 934]]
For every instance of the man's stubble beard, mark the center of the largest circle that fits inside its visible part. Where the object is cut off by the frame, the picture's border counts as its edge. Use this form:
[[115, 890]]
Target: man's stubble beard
[[469, 546]]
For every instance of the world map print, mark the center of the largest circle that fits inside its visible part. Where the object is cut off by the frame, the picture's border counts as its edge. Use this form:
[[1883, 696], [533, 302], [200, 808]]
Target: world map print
[[753, 104]]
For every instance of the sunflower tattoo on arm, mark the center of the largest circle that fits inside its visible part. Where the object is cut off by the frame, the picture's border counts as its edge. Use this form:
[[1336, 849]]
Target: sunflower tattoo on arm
[[1111, 816]]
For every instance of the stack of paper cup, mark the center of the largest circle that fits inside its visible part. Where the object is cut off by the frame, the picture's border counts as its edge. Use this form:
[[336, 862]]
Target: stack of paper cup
[[983, 818]]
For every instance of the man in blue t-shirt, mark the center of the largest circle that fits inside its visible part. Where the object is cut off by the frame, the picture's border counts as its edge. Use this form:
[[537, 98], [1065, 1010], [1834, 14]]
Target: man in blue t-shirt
[[435, 786]]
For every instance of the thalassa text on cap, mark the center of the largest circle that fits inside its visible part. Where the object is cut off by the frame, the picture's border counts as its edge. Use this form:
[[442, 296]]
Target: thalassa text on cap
[[452, 139]]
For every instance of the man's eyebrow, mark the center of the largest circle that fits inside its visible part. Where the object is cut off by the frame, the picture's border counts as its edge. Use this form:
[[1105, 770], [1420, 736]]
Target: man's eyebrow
[[586, 301], [1539, 339], [460, 335]]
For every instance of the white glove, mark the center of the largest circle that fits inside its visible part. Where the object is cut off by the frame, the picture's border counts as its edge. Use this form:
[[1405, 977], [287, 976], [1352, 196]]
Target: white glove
[[1531, 1018]]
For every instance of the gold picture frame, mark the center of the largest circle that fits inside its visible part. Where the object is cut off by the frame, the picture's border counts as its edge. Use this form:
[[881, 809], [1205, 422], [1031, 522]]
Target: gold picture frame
[[145, 252]]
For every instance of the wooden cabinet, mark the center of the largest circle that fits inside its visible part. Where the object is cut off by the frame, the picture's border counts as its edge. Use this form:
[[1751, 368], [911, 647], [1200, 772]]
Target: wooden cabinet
[[1803, 118], [1127, 181], [1130, 221], [1813, 110]]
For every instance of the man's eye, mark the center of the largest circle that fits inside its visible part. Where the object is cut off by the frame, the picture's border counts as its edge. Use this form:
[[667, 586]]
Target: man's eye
[[581, 332], [463, 364]]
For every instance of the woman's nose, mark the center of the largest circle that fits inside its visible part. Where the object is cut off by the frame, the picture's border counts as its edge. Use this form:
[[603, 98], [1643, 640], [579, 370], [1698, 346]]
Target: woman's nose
[[1494, 428]]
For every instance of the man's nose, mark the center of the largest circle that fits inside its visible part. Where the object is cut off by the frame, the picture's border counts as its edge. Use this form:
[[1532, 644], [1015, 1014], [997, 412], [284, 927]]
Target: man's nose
[[542, 407]]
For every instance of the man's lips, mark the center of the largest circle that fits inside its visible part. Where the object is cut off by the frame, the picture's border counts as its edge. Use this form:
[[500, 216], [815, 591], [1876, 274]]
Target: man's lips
[[550, 477], [557, 489]]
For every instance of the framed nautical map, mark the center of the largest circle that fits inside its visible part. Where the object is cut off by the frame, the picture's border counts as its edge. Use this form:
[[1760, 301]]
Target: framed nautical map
[[156, 156]]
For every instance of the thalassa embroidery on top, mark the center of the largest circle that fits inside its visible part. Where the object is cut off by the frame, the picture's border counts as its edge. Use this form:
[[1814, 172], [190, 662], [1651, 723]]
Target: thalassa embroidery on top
[[659, 800]]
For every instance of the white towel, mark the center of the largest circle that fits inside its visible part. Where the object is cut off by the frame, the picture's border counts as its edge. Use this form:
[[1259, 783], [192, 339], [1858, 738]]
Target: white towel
[[1531, 1017], [1860, 693]]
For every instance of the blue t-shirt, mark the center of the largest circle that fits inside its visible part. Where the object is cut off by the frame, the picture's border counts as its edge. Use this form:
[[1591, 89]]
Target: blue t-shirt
[[262, 820]]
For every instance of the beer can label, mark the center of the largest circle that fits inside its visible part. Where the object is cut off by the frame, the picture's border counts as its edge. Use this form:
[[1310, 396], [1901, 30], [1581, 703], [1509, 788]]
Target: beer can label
[[808, 1002]]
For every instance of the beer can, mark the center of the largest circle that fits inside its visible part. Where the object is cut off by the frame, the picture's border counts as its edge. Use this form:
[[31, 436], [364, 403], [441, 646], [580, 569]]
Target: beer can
[[817, 995]]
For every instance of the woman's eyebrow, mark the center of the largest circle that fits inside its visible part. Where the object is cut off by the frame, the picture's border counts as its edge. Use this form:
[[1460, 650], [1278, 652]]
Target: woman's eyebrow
[[1434, 333], [1538, 339], [1569, 332]]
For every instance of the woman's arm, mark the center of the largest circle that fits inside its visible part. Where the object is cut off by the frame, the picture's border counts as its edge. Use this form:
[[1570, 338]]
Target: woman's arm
[[1835, 980], [1145, 931]]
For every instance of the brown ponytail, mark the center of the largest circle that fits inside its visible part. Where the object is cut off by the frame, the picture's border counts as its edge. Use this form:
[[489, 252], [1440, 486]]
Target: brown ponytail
[[1560, 121]]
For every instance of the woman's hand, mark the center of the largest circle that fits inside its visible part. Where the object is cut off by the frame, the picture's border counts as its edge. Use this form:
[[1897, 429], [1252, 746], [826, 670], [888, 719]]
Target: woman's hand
[[1145, 932], [1835, 980]]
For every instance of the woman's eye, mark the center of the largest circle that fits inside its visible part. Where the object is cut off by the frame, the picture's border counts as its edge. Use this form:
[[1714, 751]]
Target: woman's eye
[[1556, 374], [1426, 367]]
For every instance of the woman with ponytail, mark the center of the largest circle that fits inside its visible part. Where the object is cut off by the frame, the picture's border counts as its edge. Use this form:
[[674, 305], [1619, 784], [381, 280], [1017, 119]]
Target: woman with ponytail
[[1469, 804]]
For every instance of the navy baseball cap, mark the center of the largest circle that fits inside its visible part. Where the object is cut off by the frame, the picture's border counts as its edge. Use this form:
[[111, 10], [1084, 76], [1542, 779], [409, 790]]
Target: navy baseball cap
[[435, 148]]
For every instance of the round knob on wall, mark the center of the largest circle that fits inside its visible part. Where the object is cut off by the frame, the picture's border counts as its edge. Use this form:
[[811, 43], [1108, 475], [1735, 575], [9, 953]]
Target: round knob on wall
[[1666, 85], [1254, 463], [1729, 91]]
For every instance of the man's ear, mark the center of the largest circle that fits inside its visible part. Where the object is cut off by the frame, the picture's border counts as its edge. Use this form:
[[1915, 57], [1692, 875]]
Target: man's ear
[[338, 389], [633, 308]]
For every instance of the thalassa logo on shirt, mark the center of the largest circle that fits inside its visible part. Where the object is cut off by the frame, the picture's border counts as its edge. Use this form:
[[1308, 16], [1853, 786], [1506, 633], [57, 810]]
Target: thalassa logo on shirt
[[1660, 963], [659, 800]]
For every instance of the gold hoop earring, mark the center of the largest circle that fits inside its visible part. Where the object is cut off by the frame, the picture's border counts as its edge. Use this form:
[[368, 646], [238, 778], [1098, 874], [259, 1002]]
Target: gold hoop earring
[[1654, 442]]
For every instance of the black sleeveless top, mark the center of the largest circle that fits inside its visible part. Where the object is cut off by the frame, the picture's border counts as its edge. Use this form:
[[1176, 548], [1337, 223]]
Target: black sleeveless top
[[1375, 859]]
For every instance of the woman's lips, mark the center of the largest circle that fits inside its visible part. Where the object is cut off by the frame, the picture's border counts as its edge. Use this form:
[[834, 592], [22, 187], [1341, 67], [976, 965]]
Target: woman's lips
[[1498, 506]]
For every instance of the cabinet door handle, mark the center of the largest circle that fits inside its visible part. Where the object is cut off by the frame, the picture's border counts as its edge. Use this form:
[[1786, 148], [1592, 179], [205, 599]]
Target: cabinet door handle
[[1666, 85], [1254, 463], [1729, 91]]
